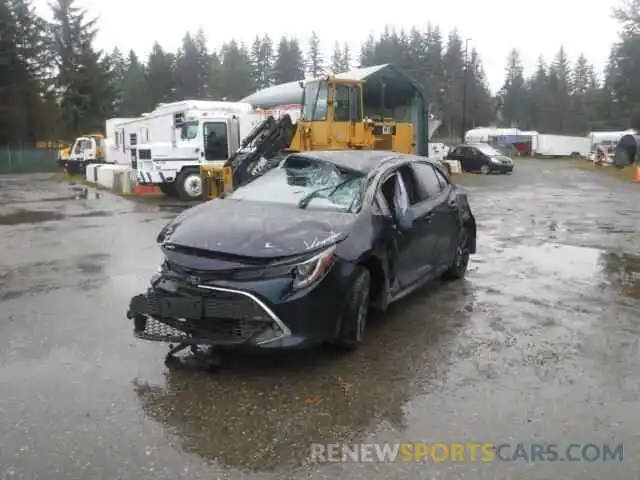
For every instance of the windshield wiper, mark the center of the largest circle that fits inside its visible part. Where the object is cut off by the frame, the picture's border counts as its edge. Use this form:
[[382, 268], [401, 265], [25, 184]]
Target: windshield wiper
[[306, 199]]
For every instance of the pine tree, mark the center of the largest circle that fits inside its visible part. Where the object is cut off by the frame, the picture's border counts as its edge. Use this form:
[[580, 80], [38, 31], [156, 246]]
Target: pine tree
[[513, 94], [161, 76], [136, 96], [235, 72], [83, 83], [314, 62]]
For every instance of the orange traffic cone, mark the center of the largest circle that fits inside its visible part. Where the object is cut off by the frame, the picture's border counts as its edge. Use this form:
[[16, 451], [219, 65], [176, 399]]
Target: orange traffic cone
[[637, 173]]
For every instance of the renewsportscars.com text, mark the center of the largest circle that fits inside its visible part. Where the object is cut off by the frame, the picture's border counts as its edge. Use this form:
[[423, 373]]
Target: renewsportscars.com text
[[468, 452]]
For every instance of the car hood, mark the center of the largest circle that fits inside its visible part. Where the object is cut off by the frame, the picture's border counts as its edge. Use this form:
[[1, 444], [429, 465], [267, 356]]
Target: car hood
[[255, 229]]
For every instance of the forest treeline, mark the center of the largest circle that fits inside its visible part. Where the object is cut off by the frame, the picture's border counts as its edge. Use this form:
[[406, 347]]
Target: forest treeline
[[55, 83]]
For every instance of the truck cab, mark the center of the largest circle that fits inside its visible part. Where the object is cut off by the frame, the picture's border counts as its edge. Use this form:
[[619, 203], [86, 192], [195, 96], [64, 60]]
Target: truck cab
[[193, 137], [86, 149]]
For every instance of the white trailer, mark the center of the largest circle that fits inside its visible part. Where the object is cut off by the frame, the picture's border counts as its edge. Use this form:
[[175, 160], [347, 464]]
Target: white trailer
[[112, 142], [167, 146], [544, 145]]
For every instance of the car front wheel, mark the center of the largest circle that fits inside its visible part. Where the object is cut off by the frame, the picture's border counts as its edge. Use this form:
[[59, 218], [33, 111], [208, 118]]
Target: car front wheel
[[485, 169], [356, 311]]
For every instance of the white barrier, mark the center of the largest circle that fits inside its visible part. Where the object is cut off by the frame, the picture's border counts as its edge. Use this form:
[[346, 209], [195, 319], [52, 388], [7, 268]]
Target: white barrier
[[118, 178], [91, 173], [454, 166]]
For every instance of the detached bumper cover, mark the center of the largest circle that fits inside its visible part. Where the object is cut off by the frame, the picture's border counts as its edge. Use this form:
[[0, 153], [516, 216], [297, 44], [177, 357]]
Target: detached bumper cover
[[206, 316]]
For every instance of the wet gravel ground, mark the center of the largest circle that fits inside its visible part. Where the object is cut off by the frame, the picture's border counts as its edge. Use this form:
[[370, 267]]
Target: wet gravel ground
[[538, 345]]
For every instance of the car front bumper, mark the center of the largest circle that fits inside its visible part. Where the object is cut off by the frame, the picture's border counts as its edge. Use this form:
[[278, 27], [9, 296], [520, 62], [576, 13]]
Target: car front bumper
[[262, 315], [502, 168]]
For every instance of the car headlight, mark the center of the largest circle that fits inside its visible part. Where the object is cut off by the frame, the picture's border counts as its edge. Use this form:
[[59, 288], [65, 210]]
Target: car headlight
[[313, 270], [496, 160]]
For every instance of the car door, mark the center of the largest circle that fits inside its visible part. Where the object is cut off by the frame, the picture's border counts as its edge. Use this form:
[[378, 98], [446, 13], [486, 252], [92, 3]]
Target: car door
[[450, 223], [437, 195], [474, 158], [463, 156], [414, 245]]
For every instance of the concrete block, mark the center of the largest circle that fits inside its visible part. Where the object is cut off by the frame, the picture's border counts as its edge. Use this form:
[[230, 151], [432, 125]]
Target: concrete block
[[91, 172], [454, 166]]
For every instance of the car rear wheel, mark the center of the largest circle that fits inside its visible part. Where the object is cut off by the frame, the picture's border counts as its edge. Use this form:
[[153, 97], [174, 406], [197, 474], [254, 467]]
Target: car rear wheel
[[485, 169], [461, 260], [354, 316]]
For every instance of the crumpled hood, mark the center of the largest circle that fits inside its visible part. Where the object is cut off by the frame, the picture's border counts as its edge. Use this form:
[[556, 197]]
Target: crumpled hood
[[256, 229]]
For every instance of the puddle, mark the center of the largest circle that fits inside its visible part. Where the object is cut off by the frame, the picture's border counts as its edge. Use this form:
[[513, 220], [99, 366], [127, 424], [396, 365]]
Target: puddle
[[29, 216]]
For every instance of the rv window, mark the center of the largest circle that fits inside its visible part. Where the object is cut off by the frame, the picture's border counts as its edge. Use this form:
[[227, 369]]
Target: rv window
[[189, 131]]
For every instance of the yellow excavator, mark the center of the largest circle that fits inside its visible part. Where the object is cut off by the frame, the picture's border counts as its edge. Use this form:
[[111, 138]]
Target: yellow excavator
[[331, 118]]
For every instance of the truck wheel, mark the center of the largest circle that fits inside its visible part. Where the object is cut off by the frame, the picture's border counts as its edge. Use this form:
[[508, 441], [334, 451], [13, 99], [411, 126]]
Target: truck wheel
[[189, 185], [169, 189]]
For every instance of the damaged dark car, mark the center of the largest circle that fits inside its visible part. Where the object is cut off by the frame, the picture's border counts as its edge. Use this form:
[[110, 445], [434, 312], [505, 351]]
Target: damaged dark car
[[300, 255]]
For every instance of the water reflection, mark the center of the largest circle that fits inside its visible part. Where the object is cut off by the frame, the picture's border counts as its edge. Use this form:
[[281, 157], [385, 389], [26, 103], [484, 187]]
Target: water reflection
[[262, 413], [623, 270]]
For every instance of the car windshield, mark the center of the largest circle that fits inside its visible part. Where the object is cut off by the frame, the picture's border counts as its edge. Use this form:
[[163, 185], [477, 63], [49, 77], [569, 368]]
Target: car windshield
[[487, 150], [306, 183]]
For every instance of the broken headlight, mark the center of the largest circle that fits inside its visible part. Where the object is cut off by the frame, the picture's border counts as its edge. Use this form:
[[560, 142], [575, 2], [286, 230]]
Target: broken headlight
[[313, 270]]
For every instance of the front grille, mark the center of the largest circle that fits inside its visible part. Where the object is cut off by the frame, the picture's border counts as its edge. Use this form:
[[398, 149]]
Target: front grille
[[218, 333], [144, 154], [225, 318]]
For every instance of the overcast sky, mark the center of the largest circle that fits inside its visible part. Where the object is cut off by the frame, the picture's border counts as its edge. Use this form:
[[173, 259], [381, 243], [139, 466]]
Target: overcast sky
[[493, 26]]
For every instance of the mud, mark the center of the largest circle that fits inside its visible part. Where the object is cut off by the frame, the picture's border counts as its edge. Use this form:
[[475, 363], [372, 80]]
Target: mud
[[538, 345]]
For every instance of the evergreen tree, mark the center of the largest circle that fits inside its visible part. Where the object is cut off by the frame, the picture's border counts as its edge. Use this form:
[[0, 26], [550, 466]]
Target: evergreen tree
[[136, 94], [161, 76], [336, 59], [289, 64], [262, 61], [512, 95], [83, 84], [235, 72], [314, 62]]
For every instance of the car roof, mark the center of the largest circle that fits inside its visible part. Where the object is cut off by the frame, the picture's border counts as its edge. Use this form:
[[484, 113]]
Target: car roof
[[361, 161]]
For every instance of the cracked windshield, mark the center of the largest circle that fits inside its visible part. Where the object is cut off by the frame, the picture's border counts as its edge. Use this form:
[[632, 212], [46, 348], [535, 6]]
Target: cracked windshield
[[371, 242]]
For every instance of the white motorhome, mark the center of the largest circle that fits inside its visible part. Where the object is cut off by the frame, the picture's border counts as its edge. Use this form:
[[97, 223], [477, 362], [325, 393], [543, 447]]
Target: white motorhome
[[545, 145], [166, 147]]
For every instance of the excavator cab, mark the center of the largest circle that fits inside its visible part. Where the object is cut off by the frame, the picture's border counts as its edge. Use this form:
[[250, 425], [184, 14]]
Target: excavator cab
[[332, 118]]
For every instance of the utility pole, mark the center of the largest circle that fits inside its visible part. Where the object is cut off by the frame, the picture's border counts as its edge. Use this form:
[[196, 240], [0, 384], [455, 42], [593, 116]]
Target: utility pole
[[463, 125]]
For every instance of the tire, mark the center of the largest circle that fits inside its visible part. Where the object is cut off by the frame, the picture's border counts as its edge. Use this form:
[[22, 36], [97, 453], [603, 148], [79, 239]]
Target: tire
[[461, 260], [354, 316], [188, 185], [485, 169], [169, 189]]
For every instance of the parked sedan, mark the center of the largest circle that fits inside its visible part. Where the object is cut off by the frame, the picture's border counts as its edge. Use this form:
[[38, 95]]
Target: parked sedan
[[297, 257], [481, 157]]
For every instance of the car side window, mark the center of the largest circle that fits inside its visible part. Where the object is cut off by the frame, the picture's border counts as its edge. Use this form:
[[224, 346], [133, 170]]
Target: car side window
[[429, 183]]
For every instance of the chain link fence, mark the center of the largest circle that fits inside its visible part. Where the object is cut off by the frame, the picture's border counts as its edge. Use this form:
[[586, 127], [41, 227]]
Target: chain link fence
[[27, 160]]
